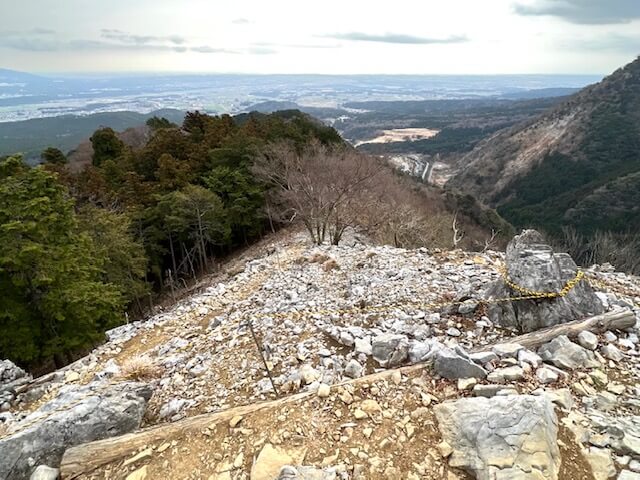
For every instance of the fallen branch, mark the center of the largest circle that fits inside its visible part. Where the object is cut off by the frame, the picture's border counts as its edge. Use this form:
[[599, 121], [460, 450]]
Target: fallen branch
[[85, 458], [616, 320]]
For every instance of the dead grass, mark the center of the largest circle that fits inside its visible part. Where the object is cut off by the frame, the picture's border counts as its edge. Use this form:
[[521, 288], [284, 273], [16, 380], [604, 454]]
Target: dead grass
[[330, 264], [140, 368]]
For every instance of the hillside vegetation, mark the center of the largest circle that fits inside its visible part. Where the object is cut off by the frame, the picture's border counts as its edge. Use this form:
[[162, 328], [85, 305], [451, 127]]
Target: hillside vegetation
[[575, 166], [83, 242]]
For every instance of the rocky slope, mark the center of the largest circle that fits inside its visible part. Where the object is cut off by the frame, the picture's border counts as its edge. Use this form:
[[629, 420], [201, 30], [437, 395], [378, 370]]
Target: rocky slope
[[556, 169], [338, 322]]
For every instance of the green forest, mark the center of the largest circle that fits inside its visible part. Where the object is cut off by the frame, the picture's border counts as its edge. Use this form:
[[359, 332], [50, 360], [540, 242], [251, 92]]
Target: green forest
[[78, 249]]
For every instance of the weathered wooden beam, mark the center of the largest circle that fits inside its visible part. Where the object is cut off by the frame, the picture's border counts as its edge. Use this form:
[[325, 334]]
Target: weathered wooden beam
[[85, 458], [616, 320]]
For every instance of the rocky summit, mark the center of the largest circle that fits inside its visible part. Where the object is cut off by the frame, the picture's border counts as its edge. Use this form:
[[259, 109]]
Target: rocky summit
[[350, 362]]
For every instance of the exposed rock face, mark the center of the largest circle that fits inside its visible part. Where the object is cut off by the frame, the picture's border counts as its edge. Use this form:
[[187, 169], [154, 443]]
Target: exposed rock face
[[96, 415], [563, 353], [511, 437], [534, 266]]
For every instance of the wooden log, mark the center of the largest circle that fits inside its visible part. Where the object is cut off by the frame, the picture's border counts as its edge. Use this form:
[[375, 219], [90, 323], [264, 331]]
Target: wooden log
[[616, 320], [87, 457]]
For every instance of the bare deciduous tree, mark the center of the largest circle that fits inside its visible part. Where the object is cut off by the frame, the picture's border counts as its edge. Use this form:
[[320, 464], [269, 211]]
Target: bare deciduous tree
[[323, 187]]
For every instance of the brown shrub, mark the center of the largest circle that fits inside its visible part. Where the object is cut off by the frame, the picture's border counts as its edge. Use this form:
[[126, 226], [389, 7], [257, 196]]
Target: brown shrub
[[140, 368]]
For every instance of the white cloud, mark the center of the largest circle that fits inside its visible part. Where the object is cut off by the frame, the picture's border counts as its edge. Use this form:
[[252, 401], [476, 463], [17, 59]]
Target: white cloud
[[287, 36]]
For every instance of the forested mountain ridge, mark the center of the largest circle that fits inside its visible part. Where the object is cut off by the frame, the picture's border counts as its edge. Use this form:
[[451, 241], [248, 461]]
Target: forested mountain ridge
[[573, 166]]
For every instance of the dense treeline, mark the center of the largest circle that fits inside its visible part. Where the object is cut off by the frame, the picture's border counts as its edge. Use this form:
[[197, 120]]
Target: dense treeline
[[79, 248]]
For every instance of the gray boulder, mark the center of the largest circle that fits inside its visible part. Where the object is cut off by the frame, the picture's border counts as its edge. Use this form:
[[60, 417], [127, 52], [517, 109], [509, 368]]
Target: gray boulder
[[453, 365], [390, 350], [534, 266], [75, 416], [510, 437], [563, 353]]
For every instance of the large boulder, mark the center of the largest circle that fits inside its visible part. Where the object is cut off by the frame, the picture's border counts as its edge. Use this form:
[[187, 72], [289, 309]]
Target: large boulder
[[75, 416], [500, 438], [534, 266]]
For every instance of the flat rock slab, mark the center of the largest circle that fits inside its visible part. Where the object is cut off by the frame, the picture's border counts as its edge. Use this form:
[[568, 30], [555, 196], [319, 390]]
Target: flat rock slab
[[510, 437]]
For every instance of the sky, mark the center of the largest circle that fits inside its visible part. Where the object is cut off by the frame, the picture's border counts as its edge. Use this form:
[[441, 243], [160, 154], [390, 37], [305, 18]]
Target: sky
[[325, 36]]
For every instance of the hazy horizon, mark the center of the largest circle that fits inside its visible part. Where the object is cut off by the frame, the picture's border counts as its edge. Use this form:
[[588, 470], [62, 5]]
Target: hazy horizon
[[461, 37]]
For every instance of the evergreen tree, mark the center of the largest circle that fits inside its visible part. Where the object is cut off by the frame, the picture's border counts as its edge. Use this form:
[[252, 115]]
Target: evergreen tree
[[54, 301]]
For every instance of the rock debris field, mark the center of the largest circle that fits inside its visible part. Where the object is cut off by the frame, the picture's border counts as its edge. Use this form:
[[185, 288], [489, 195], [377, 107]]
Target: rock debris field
[[410, 369]]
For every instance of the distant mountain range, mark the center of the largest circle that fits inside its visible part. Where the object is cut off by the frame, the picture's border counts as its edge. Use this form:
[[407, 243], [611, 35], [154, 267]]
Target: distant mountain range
[[577, 164], [30, 137]]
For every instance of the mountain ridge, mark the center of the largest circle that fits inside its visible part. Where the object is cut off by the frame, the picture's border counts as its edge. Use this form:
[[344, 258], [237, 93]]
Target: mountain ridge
[[556, 162]]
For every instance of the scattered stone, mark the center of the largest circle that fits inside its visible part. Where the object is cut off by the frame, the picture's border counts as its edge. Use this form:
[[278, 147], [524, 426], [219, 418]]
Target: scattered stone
[[307, 473], [271, 460], [390, 350], [147, 453], [501, 437], [453, 332], [324, 390], [445, 449], [561, 397], [588, 340], [359, 414], [606, 400], [309, 374], [353, 369], [610, 336], [599, 378], [466, 383], [601, 463], [532, 358], [507, 350], [139, 474], [235, 421], [44, 472], [71, 376], [370, 406], [363, 345], [563, 353], [546, 375], [451, 365], [487, 391], [419, 351], [627, 475], [612, 352], [483, 357], [507, 374]]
